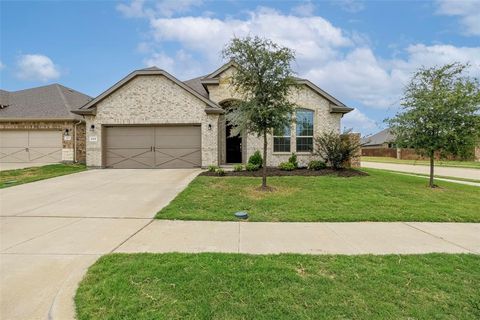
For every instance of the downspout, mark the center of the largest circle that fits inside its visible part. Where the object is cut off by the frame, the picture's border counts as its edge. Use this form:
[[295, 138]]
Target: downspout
[[75, 140]]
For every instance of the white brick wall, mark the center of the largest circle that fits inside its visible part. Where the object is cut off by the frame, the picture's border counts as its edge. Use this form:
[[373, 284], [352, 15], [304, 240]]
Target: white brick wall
[[304, 97], [152, 99]]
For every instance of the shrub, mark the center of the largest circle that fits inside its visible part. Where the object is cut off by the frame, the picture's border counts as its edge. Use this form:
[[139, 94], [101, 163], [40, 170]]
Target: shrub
[[337, 149], [212, 168], [251, 167], [316, 165], [238, 168], [293, 160], [286, 166], [220, 172], [256, 159]]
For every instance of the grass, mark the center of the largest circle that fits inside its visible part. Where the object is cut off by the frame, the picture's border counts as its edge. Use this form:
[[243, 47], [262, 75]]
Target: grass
[[440, 163], [234, 286], [9, 178], [382, 196]]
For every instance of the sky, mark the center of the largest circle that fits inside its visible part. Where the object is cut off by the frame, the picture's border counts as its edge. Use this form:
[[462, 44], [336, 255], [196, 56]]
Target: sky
[[361, 52]]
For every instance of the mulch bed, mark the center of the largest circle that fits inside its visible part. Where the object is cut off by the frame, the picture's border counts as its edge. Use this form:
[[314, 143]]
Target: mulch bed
[[275, 172]]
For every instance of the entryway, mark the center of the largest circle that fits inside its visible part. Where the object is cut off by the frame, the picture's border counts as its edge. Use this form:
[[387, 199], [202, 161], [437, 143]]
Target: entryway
[[233, 146]]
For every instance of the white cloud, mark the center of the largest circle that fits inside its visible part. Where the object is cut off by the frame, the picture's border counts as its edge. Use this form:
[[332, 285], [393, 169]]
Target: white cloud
[[314, 39], [359, 122], [467, 10], [342, 62], [164, 8], [36, 67], [304, 9], [351, 6], [378, 83]]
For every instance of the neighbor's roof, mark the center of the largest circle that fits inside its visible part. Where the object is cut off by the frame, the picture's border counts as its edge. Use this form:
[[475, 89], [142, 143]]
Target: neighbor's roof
[[90, 107], [379, 138], [47, 102]]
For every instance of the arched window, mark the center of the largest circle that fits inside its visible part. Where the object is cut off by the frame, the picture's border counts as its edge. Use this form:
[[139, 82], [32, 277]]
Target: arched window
[[304, 131]]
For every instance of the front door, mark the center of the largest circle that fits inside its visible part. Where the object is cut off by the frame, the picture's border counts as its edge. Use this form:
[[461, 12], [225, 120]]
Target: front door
[[234, 146]]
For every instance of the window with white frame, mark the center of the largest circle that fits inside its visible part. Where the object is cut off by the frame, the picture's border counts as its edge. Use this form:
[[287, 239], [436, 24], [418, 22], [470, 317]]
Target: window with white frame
[[304, 121], [281, 140]]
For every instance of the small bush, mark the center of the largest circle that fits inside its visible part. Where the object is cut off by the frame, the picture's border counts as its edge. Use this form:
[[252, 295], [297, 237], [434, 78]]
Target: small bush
[[337, 149], [286, 166], [252, 167], [316, 165], [212, 168], [293, 160], [220, 172], [238, 168], [256, 159]]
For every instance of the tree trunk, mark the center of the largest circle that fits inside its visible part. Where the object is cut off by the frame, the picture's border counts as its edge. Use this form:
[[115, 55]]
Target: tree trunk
[[432, 158], [264, 169]]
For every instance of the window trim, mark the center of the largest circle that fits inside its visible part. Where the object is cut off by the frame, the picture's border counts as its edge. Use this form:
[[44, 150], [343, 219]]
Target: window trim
[[313, 130]]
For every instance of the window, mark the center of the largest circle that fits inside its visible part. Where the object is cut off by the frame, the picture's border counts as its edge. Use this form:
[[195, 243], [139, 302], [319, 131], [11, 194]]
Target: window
[[304, 130], [281, 140]]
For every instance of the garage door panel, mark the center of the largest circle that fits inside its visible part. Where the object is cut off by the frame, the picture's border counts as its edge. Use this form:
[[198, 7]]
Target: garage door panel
[[177, 158], [153, 147], [30, 146]]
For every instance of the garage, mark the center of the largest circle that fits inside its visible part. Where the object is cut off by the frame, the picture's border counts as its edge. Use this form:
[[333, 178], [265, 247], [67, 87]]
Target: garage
[[153, 147], [27, 146]]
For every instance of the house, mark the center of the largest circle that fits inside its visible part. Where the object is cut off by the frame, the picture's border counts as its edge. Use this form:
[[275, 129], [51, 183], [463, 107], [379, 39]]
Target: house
[[150, 119], [382, 144], [37, 125], [382, 139]]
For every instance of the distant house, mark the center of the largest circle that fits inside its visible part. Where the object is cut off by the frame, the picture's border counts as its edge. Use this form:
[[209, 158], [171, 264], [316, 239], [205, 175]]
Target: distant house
[[382, 144], [382, 139]]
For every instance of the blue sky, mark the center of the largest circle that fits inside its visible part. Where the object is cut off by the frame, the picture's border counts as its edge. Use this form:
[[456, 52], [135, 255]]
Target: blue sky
[[362, 52]]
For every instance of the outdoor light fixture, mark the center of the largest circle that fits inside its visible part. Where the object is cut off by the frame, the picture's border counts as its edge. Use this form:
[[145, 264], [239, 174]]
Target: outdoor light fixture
[[209, 126], [92, 127], [66, 132]]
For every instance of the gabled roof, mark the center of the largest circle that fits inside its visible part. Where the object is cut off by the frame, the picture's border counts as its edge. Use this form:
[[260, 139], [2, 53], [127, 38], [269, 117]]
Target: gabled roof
[[90, 107], [196, 84], [335, 107], [51, 102], [379, 138]]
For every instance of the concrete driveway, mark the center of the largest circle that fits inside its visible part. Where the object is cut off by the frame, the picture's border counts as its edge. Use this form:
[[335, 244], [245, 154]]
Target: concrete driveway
[[465, 173], [51, 231]]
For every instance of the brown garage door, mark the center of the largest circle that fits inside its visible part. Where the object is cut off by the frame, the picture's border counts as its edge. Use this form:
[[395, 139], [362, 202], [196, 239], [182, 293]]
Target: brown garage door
[[29, 146], [153, 147]]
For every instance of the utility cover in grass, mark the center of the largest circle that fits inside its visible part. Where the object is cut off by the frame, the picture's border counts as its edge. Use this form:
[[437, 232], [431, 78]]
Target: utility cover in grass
[[241, 215]]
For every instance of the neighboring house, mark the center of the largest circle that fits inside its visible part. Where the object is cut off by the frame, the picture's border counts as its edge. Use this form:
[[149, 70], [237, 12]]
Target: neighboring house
[[150, 119], [382, 144], [382, 139], [37, 125]]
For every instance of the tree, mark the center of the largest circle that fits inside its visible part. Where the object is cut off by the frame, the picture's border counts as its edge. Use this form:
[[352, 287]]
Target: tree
[[263, 78], [440, 113]]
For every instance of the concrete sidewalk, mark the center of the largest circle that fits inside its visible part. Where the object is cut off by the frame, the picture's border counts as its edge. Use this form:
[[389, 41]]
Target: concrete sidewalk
[[309, 238], [464, 173]]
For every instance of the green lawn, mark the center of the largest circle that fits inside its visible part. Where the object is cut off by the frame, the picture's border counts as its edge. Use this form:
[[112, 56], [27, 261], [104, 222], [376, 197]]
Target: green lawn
[[234, 286], [440, 163], [382, 196], [10, 178]]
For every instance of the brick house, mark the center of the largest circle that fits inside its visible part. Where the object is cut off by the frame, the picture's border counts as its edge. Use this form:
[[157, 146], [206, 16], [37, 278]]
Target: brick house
[[150, 119], [37, 125]]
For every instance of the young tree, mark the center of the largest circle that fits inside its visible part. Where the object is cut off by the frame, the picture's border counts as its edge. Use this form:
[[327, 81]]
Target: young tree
[[440, 113], [263, 79]]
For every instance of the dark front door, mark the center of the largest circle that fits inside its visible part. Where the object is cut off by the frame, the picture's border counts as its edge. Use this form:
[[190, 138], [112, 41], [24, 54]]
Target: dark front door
[[234, 147]]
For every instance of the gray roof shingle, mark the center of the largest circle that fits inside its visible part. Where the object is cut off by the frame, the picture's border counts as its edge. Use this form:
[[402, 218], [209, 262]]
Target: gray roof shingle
[[196, 84], [379, 138], [47, 102]]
